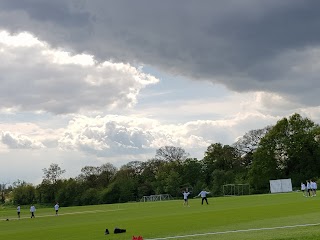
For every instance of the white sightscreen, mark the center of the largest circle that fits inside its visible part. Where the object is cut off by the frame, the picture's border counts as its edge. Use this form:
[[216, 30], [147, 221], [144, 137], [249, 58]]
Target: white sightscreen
[[280, 185]]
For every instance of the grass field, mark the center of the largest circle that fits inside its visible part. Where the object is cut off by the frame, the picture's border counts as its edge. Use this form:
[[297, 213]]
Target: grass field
[[272, 216]]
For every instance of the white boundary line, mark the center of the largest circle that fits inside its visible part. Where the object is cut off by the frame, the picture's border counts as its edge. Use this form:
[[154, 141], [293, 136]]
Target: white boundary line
[[62, 214], [235, 231]]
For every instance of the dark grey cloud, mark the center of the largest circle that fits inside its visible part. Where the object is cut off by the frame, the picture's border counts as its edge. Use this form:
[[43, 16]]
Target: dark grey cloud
[[246, 45], [50, 11]]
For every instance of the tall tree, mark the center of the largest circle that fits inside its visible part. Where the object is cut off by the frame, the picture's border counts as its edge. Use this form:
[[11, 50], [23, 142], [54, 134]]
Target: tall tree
[[107, 172], [126, 183], [248, 144], [70, 192], [97, 177], [47, 190], [222, 164], [173, 183], [53, 173], [147, 180], [24, 194], [288, 150], [191, 172], [3, 188], [171, 153], [89, 176], [264, 166]]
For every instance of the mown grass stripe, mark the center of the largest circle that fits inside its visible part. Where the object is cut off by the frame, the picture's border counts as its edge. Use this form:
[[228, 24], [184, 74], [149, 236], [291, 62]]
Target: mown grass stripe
[[62, 214], [235, 231]]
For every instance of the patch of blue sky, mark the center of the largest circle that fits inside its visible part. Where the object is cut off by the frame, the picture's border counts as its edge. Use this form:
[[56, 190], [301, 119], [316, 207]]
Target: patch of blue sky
[[169, 99], [179, 87]]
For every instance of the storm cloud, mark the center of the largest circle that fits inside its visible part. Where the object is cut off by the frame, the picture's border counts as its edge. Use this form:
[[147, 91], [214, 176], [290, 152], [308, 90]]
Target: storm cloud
[[249, 45]]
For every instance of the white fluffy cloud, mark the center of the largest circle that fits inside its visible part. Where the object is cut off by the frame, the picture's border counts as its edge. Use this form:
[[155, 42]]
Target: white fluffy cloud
[[106, 136], [14, 141], [36, 77], [113, 134]]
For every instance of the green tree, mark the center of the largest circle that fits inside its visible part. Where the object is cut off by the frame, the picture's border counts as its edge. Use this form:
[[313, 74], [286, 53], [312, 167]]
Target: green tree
[[45, 192], [126, 182], [191, 172], [107, 172], [147, 179], [90, 197], [97, 177], [53, 173], [219, 157], [3, 189], [171, 153], [288, 150], [169, 172], [264, 166], [173, 183], [219, 178], [248, 143], [89, 176], [24, 194], [111, 194], [70, 192]]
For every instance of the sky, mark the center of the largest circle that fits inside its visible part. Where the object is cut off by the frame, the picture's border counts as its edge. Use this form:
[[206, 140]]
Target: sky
[[86, 82]]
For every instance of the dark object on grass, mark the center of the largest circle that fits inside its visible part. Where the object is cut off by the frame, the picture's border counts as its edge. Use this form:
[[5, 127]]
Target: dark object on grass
[[106, 232], [7, 219], [119, 230]]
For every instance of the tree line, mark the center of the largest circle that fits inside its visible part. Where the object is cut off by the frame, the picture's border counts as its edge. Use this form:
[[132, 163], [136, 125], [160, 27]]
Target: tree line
[[289, 149]]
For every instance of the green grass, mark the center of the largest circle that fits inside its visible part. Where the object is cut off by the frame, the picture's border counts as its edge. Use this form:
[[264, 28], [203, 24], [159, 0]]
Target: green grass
[[170, 218]]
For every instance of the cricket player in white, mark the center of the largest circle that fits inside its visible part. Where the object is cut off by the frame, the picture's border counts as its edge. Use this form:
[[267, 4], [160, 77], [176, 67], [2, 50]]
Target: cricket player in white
[[185, 198], [303, 189], [56, 207], [18, 211], [313, 188], [308, 189], [32, 210]]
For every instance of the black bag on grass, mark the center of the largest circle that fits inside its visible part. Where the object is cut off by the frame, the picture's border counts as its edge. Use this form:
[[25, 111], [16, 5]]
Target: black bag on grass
[[119, 230]]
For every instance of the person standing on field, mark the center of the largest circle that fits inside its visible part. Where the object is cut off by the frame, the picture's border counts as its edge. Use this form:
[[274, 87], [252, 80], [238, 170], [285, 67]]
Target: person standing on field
[[56, 207], [308, 188], [203, 195], [32, 210], [303, 189], [18, 211], [313, 188], [185, 198]]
